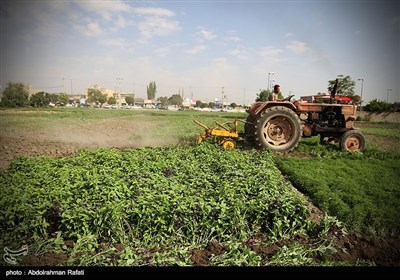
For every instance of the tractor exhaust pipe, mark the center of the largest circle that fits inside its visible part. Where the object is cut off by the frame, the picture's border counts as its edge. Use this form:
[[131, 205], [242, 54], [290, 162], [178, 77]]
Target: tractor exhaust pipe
[[334, 90]]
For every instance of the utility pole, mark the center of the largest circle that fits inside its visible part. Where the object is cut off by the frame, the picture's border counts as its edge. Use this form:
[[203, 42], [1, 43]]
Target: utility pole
[[272, 83], [269, 85], [222, 98], [134, 94], [70, 96], [387, 98], [119, 92]]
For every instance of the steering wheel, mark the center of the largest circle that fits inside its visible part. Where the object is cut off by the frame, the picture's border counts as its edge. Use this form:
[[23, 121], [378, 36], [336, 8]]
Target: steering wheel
[[288, 98]]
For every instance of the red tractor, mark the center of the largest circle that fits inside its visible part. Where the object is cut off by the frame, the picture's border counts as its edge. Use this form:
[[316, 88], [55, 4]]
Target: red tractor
[[280, 125]]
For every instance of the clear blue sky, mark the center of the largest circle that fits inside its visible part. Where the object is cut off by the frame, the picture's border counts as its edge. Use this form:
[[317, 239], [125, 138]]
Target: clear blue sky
[[201, 46]]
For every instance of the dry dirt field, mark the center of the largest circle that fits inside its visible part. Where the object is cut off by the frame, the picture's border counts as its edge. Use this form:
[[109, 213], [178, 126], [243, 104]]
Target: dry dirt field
[[67, 139]]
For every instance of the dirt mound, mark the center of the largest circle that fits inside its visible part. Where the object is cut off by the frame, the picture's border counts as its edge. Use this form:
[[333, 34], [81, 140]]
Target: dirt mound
[[48, 259], [201, 257], [381, 251], [351, 249], [380, 117]]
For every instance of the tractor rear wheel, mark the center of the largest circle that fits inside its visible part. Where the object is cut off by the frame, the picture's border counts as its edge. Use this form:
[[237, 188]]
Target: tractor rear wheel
[[278, 129], [352, 141]]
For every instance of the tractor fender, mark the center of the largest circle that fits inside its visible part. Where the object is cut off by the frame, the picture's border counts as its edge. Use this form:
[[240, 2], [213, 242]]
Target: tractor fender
[[258, 107]]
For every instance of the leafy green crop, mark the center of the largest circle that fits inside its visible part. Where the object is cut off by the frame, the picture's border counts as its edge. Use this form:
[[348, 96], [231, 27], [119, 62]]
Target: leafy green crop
[[362, 190], [149, 197]]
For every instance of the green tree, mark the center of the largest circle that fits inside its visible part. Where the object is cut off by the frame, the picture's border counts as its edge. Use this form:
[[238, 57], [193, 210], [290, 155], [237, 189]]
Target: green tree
[[102, 99], [263, 95], [15, 95], [39, 99], [204, 105], [130, 100], [95, 96], [396, 106], [52, 97], [233, 105], [151, 90], [176, 99], [111, 100], [378, 106], [198, 103], [63, 98], [211, 104], [356, 99], [345, 85], [164, 102]]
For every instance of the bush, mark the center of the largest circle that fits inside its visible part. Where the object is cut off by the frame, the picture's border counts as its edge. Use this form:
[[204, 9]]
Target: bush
[[382, 106]]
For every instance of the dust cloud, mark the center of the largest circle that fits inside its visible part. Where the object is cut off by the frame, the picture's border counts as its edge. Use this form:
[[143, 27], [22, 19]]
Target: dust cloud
[[66, 140], [112, 134]]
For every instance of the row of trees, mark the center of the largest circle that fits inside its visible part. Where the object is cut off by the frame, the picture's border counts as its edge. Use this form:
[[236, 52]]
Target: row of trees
[[381, 106], [175, 99], [42, 99], [17, 95]]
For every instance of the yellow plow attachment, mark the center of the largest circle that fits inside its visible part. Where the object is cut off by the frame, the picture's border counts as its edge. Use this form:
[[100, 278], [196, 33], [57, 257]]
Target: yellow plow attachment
[[223, 132]]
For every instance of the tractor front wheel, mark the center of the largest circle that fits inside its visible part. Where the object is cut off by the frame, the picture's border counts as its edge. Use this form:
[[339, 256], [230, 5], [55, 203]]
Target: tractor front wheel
[[352, 141]]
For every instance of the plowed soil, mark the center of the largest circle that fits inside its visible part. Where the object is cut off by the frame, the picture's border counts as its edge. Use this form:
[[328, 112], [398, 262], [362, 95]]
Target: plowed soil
[[66, 140], [351, 249]]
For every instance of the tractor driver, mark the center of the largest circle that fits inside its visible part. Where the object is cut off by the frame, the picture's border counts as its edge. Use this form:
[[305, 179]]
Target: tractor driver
[[274, 95]]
